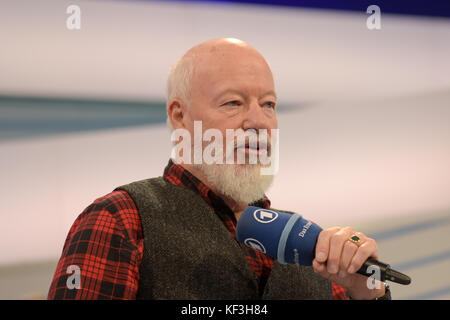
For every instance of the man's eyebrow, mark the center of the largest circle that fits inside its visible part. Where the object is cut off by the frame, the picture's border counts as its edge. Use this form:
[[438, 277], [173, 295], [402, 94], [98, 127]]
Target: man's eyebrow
[[228, 91], [234, 91], [270, 93]]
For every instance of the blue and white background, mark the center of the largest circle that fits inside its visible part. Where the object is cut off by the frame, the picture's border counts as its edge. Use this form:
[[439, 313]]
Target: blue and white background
[[364, 119]]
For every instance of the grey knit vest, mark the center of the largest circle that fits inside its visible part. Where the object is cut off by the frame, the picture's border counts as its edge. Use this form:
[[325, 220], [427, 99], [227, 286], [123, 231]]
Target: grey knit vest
[[189, 254]]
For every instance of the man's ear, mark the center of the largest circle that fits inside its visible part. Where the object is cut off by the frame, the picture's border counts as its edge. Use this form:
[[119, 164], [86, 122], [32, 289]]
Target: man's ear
[[176, 113]]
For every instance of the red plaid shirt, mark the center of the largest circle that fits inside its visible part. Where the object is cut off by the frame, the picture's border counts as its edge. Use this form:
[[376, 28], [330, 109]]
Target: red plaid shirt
[[106, 243]]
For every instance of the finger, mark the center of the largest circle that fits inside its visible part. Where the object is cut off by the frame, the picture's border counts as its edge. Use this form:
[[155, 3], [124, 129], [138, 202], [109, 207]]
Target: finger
[[347, 255], [366, 250], [323, 244], [337, 242], [349, 250], [320, 269]]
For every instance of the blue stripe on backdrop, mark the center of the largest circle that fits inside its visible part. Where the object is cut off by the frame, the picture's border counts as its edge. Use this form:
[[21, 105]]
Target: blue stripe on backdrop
[[416, 263], [434, 8], [31, 117], [433, 294], [410, 228]]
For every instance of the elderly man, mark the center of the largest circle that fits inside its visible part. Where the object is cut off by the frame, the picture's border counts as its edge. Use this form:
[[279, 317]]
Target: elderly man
[[173, 237]]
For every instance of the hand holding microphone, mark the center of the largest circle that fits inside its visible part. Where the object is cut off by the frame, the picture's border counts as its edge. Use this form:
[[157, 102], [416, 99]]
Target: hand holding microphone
[[344, 256], [341, 255]]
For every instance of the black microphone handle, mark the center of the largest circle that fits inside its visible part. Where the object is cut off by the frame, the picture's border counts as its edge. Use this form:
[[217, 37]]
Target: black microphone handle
[[386, 273]]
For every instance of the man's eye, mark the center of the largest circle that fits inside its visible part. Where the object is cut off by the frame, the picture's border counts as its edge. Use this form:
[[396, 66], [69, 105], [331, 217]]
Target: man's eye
[[270, 104], [233, 103]]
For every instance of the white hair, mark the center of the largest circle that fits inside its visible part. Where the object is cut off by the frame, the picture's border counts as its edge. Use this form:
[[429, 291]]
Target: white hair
[[179, 82]]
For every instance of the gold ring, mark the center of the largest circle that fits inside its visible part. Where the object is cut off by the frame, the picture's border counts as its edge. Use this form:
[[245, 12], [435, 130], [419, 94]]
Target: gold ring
[[355, 239]]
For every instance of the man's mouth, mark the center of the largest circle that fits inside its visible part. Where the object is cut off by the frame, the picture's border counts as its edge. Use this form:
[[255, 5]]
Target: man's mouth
[[253, 148]]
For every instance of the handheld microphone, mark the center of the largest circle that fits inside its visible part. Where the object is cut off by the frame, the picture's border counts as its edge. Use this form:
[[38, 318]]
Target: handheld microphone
[[289, 238]]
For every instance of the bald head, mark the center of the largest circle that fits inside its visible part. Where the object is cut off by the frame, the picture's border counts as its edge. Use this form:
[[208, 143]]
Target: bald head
[[204, 59], [222, 48]]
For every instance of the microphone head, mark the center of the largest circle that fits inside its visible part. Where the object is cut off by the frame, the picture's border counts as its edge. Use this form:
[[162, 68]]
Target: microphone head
[[286, 237]]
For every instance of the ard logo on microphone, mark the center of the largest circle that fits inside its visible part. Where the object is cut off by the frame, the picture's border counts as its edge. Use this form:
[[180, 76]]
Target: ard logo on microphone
[[265, 216], [255, 244]]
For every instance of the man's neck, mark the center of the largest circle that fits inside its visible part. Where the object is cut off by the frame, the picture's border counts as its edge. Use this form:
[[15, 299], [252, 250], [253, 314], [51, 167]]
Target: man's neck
[[236, 207]]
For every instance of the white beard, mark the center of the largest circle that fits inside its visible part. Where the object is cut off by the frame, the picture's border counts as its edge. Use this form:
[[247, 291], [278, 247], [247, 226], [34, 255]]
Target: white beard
[[242, 183]]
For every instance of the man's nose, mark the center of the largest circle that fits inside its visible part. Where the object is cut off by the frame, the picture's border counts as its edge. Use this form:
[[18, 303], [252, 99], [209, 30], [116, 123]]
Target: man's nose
[[256, 117]]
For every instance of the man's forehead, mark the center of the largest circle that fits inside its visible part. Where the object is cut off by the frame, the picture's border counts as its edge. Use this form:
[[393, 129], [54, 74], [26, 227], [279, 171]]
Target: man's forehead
[[227, 63], [217, 82], [230, 64]]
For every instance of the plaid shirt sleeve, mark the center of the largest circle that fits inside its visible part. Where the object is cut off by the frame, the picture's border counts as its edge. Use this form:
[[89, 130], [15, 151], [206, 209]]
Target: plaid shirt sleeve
[[106, 244], [339, 293]]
